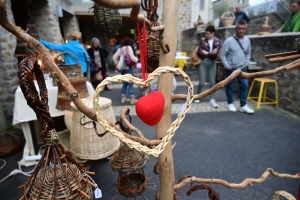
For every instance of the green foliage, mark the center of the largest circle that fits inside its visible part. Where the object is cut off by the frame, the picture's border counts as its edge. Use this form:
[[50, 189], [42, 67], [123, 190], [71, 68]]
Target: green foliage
[[220, 7], [210, 23]]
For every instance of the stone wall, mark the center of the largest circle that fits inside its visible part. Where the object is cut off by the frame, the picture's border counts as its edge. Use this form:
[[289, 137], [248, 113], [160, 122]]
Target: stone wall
[[257, 21], [261, 45], [288, 81], [46, 22], [8, 67]]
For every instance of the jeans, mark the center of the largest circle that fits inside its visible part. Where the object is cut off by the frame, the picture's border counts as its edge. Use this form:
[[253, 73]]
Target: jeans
[[126, 84], [210, 67], [243, 87]]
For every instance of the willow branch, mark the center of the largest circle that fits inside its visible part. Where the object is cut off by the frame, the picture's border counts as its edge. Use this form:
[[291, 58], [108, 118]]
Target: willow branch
[[281, 54], [134, 14], [47, 60], [125, 111], [244, 183], [237, 73], [141, 140]]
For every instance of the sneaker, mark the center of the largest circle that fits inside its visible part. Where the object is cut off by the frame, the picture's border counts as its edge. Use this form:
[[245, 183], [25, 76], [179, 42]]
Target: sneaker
[[246, 109], [132, 100], [213, 103], [196, 101], [123, 100], [232, 107]]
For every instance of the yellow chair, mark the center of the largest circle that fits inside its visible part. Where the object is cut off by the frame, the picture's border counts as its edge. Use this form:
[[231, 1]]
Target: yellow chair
[[180, 63], [262, 97]]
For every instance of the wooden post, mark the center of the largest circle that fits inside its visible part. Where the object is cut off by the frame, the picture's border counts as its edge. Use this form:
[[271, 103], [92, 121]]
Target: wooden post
[[165, 85]]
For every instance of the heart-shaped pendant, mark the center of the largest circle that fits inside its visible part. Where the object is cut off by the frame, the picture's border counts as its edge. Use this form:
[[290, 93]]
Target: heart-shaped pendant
[[150, 108], [139, 82]]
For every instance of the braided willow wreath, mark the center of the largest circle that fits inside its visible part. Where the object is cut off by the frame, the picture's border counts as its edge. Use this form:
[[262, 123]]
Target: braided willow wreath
[[139, 82]]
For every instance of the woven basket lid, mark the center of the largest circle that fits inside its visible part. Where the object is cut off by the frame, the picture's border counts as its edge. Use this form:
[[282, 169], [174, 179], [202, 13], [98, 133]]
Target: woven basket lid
[[127, 159], [88, 101]]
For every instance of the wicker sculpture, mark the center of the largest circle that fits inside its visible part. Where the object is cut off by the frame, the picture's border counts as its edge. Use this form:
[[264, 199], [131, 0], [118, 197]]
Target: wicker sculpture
[[129, 163], [153, 47], [107, 20], [57, 175]]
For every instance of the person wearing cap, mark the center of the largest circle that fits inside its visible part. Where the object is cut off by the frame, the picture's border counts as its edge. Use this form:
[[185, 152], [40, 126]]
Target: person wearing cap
[[73, 46]]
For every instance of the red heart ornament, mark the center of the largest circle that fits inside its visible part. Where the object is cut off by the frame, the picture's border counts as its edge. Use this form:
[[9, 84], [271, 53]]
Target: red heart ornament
[[150, 108]]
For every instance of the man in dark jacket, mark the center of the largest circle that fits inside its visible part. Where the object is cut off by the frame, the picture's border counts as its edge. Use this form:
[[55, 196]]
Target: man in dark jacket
[[239, 14], [209, 48]]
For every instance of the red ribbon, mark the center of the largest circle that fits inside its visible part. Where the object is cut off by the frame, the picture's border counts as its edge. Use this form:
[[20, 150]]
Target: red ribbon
[[143, 49]]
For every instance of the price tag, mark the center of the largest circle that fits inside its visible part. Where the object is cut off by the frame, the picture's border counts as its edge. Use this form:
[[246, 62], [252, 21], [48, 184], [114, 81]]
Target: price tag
[[98, 193]]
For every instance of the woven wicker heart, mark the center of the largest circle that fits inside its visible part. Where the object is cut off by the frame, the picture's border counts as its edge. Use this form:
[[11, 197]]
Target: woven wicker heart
[[139, 82]]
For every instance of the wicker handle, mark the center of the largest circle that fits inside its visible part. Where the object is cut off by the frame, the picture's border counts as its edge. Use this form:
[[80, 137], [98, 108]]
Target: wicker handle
[[226, 13], [62, 53], [39, 105], [284, 194]]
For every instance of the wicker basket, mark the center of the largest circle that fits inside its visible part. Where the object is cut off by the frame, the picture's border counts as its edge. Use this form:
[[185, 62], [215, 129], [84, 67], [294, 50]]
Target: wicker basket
[[84, 142], [9, 142], [107, 20], [64, 100], [227, 21], [69, 70], [62, 191]]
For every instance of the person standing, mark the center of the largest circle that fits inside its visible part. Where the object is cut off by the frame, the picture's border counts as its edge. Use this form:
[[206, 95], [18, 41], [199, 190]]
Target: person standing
[[126, 48], [293, 23], [98, 55], [236, 54], [239, 15], [208, 50], [73, 46]]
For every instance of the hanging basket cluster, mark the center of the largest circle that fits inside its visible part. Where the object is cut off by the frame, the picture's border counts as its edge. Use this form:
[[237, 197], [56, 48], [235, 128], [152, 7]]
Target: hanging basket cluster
[[130, 164], [107, 20], [153, 47]]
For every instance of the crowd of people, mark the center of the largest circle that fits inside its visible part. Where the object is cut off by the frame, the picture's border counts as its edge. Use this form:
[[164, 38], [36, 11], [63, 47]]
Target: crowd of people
[[234, 54]]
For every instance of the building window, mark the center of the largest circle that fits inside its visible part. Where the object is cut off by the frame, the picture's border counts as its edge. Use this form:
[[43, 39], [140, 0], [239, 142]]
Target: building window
[[240, 1], [201, 4]]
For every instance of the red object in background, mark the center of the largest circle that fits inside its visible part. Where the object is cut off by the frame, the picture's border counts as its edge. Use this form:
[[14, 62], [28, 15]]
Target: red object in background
[[150, 108]]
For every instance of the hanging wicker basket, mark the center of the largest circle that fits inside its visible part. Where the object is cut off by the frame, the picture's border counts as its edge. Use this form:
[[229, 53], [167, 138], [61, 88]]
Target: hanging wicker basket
[[107, 20]]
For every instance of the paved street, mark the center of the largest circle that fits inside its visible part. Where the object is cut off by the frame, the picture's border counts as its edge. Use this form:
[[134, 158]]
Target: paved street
[[211, 143]]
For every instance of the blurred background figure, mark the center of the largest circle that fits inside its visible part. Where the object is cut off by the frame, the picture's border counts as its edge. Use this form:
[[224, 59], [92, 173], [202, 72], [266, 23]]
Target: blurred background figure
[[126, 48], [98, 56], [239, 15]]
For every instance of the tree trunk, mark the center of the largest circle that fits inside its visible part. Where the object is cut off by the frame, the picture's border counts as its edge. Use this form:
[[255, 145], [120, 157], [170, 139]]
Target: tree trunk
[[165, 82]]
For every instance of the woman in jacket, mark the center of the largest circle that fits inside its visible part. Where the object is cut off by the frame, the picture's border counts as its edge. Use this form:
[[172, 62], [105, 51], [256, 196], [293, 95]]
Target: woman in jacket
[[98, 55], [209, 48], [73, 46], [126, 47]]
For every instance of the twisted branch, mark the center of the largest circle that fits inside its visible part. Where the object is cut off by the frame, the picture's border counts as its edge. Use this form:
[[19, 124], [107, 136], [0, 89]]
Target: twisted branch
[[238, 73], [244, 183]]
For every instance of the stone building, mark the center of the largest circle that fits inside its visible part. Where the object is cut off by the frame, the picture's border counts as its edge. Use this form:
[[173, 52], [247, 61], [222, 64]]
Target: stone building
[[54, 18]]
